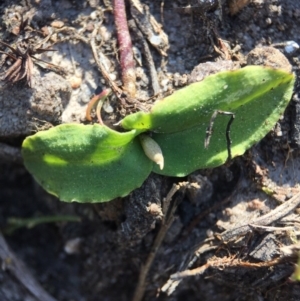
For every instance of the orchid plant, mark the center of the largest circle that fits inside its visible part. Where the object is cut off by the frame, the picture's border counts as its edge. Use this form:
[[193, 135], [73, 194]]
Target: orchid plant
[[93, 163]]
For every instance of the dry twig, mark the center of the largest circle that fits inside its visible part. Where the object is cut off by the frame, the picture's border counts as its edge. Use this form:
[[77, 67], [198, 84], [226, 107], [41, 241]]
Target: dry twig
[[118, 92], [276, 214], [168, 218], [223, 263], [148, 56], [149, 26], [18, 269]]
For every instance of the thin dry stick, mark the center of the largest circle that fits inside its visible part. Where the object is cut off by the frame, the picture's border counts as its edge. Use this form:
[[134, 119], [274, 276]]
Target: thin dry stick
[[18, 269], [271, 229], [223, 263], [92, 43], [148, 56], [113, 86], [150, 28], [125, 46], [209, 130], [168, 218], [207, 245], [276, 214]]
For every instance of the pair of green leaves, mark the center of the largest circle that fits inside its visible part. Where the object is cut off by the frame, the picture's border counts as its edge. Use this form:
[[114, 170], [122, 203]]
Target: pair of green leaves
[[92, 163]]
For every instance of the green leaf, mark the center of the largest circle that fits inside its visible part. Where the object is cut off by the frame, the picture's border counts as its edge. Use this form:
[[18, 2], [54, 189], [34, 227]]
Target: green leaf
[[96, 164], [257, 95], [196, 103], [86, 163]]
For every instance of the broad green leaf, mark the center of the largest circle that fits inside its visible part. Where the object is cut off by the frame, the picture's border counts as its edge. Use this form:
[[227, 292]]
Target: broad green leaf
[[195, 103], [96, 164], [184, 150], [257, 95], [86, 163]]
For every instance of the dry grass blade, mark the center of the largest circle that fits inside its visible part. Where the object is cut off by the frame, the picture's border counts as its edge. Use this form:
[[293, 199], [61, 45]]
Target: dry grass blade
[[29, 71], [17, 268], [13, 71], [22, 67]]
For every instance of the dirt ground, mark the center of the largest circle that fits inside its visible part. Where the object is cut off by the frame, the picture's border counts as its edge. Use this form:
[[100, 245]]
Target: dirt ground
[[240, 228]]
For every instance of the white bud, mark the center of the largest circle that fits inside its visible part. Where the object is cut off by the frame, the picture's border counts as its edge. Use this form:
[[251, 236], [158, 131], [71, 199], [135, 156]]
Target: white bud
[[152, 150]]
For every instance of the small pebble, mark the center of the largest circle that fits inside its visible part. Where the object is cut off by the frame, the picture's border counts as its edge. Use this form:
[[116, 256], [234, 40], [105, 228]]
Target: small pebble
[[291, 47], [209, 233], [107, 107], [53, 38], [72, 246], [268, 21], [164, 84], [57, 24], [268, 56], [45, 31], [89, 27], [105, 33], [155, 40], [113, 76], [93, 15], [94, 3], [75, 82]]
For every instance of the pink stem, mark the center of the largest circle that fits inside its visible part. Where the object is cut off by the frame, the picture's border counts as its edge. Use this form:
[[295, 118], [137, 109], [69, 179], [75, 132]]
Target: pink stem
[[99, 98], [125, 46]]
